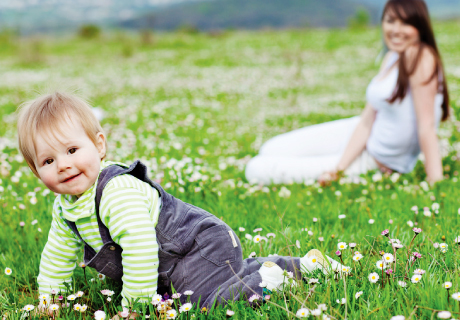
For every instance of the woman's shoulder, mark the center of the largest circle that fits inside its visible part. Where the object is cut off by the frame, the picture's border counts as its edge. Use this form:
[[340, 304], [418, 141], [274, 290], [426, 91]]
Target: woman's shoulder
[[421, 61]]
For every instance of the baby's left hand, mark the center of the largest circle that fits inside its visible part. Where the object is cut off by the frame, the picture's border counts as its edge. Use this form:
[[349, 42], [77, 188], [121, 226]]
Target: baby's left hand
[[123, 315]]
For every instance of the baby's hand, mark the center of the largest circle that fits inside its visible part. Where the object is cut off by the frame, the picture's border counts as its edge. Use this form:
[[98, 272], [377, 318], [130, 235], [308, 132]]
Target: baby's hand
[[124, 315]]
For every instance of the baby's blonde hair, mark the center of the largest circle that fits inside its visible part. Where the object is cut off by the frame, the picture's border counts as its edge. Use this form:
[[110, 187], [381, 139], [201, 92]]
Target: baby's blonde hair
[[47, 113]]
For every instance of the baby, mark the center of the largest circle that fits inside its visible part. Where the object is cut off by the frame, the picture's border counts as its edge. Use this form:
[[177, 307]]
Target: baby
[[131, 229]]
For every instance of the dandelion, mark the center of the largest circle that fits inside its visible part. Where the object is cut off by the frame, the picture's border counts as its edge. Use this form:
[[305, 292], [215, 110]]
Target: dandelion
[[341, 301], [230, 313], [252, 254], [444, 315], [310, 233], [101, 277], [456, 296], [109, 299], [342, 216], [83, 308], [416, 278], [156, 299], [107, 292], [77, 307], [8, 271], [374, 277], [315, 220], [256, 239], [72, 297], [253, 298], [416, 255], [397, 246], [82, 265], [371, 221], [402, 284], [417, 230], [22, 223], [28, 307], [388, 258], [257, 230], [297, 244], [398, 318], [302, 313], [447, 285], [419, 271], [271, 235], [352, 245], [338, 253], [248, 236], [380, 265], [410, 223], [322, 307], [321, 239], [54, 307], [443, 246], [316, 312], [53, 291], [457, 240], [389, 271], [188, 292], [357, 257], [44, 297], [171, 314], [358, 294], [346, 270], [313, 281], [342, 245], [241, 229], [79, 294], [385, 233], [185, 307], [176, 295]]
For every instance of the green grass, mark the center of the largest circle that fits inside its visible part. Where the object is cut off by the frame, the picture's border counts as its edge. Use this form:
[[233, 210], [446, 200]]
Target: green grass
[[194, 107]]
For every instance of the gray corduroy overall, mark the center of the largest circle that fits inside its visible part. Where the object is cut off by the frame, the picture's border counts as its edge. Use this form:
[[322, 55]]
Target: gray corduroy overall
[[197, 251]]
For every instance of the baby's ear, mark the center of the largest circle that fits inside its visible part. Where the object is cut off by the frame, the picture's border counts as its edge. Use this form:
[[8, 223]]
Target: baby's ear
[[100, 144]]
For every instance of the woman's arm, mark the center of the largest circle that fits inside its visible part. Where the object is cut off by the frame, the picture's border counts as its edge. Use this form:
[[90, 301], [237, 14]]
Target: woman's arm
[[358, 139], [355, 146], [423, 94]]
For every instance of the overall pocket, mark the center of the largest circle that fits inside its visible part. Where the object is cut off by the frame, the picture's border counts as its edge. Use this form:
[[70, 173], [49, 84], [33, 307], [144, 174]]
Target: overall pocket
[[217, 245], [112, 271]]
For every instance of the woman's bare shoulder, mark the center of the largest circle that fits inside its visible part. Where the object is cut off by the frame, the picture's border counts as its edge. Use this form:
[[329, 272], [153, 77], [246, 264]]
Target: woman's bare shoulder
[[425, 65]]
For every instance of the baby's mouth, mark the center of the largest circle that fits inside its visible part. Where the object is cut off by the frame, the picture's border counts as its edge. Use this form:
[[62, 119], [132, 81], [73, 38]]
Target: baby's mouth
[[72, 177]]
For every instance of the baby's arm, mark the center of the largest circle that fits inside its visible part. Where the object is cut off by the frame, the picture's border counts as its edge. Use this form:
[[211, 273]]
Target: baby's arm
[[129, 208], [59, 256]]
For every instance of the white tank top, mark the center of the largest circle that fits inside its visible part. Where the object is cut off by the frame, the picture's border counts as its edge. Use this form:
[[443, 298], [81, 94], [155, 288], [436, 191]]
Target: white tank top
[[394, 138]]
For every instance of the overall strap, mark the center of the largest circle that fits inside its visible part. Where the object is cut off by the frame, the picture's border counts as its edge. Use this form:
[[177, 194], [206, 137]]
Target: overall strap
[[104, 177], [136, 169]]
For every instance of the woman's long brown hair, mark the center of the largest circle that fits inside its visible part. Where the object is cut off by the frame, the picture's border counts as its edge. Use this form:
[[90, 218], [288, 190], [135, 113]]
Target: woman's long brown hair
[[415, 13]]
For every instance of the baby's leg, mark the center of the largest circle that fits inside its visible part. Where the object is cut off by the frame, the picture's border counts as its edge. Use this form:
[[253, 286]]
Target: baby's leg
[[247, 281]]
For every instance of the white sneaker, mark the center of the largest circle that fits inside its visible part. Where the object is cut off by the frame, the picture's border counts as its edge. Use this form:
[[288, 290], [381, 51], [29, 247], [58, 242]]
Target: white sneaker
[[273, 276], [314, 259]]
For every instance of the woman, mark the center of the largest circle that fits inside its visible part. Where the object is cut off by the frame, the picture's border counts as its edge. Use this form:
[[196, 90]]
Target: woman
[[405, 102]]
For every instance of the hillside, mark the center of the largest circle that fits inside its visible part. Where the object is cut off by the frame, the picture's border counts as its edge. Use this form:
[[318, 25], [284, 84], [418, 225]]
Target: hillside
[[254, 14]]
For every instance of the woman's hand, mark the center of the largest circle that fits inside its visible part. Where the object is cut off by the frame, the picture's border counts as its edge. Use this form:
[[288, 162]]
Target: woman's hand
[[327, 177]]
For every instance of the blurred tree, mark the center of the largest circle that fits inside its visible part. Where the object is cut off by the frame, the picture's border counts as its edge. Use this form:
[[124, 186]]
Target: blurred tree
[[146, 37], [89, 31], [361, 19]]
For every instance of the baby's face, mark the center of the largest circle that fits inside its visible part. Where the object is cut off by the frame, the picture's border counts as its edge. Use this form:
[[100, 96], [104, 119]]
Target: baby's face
[[68, 164]]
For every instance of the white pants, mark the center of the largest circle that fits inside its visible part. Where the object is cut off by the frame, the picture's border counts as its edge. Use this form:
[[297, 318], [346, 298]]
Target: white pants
[[304, 154]]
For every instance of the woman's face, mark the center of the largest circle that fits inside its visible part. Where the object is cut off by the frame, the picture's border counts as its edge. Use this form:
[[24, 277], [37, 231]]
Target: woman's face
[[397, 34]]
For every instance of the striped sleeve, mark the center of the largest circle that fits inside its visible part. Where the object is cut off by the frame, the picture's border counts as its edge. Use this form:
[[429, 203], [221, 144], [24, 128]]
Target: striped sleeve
[[58, 259], [129, 208]]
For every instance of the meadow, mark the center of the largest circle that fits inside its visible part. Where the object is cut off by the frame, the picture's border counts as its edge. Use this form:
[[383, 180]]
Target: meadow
[[195, 107]]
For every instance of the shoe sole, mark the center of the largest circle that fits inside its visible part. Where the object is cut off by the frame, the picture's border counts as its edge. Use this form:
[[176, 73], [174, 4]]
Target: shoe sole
[[319, 256]]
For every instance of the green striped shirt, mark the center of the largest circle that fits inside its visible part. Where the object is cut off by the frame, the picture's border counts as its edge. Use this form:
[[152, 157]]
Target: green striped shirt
[[130, 209]]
